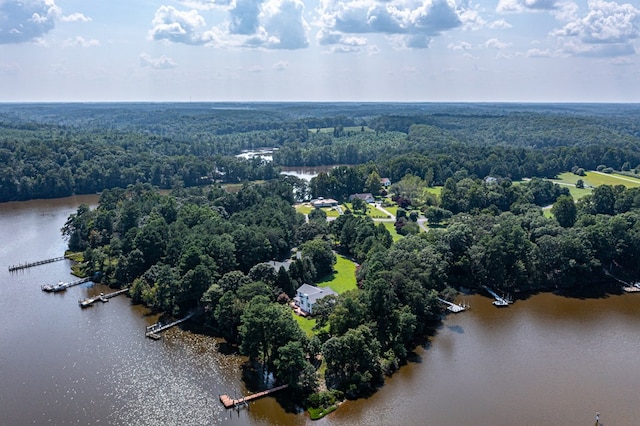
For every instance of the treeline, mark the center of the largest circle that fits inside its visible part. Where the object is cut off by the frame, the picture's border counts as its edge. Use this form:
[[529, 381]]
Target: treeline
[[519, 148], [57, 150], [53, 162]]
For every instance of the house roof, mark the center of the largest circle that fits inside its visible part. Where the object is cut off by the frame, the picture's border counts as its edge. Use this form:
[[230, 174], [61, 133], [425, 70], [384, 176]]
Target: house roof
[[366, 196], [315, 293]]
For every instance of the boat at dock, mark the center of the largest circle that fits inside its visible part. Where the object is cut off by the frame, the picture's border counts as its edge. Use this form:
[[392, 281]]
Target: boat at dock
[[54, 288], [62, 286], [501, 301]]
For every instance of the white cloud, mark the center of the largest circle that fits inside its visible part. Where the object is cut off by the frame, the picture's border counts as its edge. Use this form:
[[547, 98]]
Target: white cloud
[[538, 53], [76, 17], [410, 23], [206, 4], [244, 17], [268, 24], [462, 46], [494, 43], [27, 21], [609, 29], [180, 27], [80, 42], [280, 66], [284, 22], [506, 6], [160, 63], [499, 24]]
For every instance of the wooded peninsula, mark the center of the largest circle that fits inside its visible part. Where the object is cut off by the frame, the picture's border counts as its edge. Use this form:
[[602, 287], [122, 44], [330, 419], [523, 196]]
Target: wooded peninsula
[[423, 200]]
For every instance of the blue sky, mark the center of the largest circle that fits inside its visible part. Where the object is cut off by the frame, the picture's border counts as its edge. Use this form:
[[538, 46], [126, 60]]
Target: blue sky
[[320, 50]]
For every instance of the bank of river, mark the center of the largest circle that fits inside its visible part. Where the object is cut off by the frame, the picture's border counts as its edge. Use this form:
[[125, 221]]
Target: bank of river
[[545, 360]]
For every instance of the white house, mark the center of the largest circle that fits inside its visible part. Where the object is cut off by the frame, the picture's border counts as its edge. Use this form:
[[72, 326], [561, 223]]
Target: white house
[[307, 295]]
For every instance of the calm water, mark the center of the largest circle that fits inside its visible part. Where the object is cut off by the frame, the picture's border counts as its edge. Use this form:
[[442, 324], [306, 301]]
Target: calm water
[[547, 360]]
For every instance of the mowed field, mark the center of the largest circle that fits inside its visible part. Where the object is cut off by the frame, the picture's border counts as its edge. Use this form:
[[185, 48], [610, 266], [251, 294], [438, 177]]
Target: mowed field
[[594, 179]]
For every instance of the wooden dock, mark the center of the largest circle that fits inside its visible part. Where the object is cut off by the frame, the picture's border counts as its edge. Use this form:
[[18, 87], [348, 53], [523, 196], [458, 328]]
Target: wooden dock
[[453, 307], [228, 402], [104, 298], [154, 330], [61, 286], [19, 266]]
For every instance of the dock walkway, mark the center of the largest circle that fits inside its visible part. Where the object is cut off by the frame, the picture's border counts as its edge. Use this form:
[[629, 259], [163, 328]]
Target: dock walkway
[[228, 402], [85, 303], [26, 265], [61, 286], [154, 329], [453, 307], [500, 301]]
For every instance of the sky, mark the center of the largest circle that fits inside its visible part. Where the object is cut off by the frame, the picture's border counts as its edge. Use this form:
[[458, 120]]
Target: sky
[[320, 50]]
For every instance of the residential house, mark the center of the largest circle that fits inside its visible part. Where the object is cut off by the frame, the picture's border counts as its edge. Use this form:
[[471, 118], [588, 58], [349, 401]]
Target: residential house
[[366, 197], [307, 295], [322, 202], [385, 182]]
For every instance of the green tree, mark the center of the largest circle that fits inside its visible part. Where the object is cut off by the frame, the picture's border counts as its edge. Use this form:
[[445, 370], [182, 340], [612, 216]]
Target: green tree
[[266, 326], [564, 210], [373, 184], [321, 255], [352, 362], [292, 368]]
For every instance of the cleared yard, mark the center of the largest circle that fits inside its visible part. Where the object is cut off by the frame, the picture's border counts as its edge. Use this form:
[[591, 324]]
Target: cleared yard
[[344, 276]]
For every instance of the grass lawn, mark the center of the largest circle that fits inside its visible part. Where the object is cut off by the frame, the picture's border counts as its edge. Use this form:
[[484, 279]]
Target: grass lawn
[[306, 324], [344, 277], [304, 208], [596, 179], [392, 230], [435, 190], [332, 212], [392, 209]]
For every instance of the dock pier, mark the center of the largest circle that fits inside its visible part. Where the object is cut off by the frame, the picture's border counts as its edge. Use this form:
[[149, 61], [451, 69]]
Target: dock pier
[[62, 286], [453, 307], [500, 301], [228, 402], [153, 331], [26, 265], [104, 298]]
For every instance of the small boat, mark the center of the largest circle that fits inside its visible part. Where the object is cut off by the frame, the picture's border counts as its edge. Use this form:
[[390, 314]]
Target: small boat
[[54, 288]]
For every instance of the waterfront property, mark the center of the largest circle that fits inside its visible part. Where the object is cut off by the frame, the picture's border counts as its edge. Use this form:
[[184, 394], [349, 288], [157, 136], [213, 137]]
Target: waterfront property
[[307, 295]]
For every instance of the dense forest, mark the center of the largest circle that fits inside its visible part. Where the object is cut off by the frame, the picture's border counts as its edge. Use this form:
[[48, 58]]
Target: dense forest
[[202, 248], [54, 150]]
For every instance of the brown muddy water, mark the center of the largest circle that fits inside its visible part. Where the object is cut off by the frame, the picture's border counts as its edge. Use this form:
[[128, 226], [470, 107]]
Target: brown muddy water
[[545, 360]]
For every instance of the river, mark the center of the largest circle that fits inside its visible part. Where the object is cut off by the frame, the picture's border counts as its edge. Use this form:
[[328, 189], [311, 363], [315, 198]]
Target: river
[[545, 360]]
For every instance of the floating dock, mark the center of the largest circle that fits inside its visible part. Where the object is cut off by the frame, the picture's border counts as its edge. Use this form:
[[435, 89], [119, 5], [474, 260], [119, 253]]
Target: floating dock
[[454, 307], [13, 268], [62, 286], [228, 402], [154, 330], [104, 298]]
